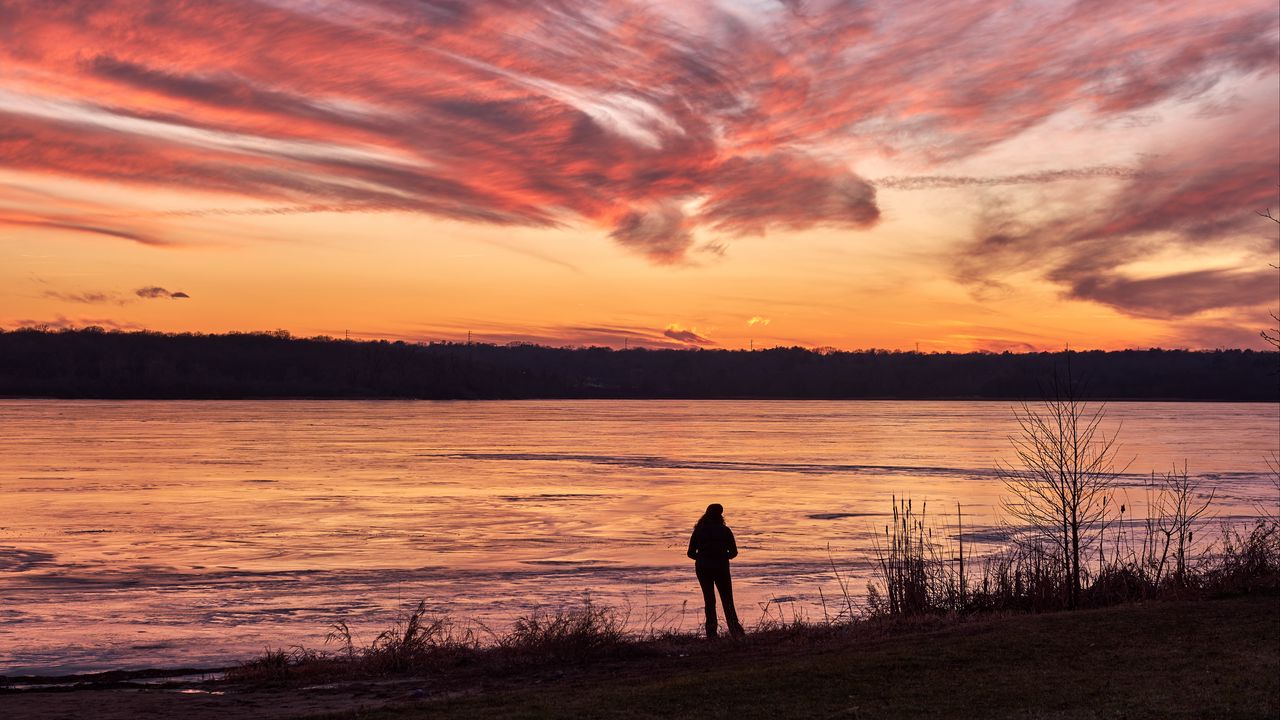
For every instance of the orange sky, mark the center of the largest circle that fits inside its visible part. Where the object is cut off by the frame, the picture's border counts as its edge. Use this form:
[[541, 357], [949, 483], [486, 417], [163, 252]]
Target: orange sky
[[973, 176]]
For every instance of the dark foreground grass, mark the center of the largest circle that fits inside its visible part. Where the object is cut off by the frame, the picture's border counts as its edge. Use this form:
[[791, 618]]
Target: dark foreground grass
[[1199, 659]]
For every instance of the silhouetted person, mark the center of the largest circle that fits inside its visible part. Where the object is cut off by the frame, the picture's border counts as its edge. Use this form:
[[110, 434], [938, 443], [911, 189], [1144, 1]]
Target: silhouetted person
[[712, 547]]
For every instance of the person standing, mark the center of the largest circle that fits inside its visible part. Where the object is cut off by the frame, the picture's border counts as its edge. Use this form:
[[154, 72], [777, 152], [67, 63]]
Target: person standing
[[711, 547]]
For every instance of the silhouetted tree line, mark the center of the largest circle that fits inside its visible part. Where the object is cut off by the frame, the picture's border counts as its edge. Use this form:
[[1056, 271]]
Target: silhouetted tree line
[[91, 363]]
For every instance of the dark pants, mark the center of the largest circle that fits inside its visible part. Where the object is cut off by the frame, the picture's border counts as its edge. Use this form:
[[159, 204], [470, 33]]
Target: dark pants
[[711, 577]]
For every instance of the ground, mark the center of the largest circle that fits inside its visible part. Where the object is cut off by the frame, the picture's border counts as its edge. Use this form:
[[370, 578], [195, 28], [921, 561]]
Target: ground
[[1200, 659]]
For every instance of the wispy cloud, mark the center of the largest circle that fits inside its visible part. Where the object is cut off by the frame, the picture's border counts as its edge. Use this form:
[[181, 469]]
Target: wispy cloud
[[1179, 294], [689, 336], [1195, 197], [653, 122], [154, 292], [62, 322], [85, 298], [1209, 336], [78, 225], [931, 182], [104, 297], [605, 335], [660, 232]]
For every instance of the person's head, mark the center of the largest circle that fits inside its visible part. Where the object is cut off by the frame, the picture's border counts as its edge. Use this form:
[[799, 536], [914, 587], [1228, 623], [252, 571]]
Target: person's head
[[713, 516]]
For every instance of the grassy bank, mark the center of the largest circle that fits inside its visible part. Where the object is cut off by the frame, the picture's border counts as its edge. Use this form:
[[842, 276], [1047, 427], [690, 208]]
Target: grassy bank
[[1178, 659], [1199, 659]]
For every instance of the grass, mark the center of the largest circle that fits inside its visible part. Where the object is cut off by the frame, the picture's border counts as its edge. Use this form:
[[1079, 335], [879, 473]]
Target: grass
[[1191, 659], [918, 586], [920, 566], [420, 644], [932, 640]]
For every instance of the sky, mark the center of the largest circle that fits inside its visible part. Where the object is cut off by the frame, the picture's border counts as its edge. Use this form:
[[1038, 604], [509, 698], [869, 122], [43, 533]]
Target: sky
[[942, 176]]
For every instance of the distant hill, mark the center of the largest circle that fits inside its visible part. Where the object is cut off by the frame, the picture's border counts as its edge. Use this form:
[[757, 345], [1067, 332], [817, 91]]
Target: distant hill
[[90, 363]]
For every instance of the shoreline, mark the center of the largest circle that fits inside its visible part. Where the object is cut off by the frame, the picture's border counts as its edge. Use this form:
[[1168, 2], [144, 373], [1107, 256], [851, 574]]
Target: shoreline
[[1139, 659], [626, 398]]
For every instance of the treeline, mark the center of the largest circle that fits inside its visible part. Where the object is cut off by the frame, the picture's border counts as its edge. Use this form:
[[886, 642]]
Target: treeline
[[91, 363]]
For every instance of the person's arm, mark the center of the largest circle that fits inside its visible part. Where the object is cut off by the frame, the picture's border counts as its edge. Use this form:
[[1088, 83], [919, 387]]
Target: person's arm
[[693, 545], [733, 545]]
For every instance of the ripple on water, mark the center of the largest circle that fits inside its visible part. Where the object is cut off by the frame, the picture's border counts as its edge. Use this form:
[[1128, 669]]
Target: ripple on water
[[551, 497], [16, 560]]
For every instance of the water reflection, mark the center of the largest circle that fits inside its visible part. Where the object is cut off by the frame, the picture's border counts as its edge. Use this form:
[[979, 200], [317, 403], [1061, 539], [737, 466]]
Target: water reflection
[[145, 533]]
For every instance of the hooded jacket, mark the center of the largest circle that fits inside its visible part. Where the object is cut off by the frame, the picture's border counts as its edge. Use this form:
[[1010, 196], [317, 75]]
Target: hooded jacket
[[712, 544]]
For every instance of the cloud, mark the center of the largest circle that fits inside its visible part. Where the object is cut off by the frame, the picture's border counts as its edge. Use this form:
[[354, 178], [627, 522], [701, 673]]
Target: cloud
[[103, 297], [1197, 197], [661, 233], [615, 336], [1179, 294], [1210, 336], [153, 292], [689, 337], [787, 190], [931, 182], [62, 322], [86, 298], [610, 113], [757, 320], [1000, 345], [79, 225]]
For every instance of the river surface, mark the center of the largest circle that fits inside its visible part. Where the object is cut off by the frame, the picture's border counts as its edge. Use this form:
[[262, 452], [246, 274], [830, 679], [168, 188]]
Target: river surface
[[144, 534]]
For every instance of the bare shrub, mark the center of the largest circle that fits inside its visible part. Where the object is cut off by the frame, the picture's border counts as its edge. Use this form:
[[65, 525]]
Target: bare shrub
[[275, 667], [1247, 561], [1061, 480], [1178, 504], [566, 633], [1270, 508], [1027, 575], [414, 642]]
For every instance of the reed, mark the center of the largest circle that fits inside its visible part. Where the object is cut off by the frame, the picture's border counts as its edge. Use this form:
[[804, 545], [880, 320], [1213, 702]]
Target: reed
[[919, 565], [923, 574], [1164, 556]]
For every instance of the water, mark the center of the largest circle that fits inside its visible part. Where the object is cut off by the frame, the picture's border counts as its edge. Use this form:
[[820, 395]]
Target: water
[[143, 534]]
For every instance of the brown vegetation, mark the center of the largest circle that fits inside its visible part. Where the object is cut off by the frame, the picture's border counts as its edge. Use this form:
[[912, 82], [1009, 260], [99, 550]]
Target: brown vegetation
[[1072, 544]]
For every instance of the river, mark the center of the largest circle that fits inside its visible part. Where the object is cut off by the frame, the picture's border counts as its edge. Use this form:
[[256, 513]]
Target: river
[[144, 534]]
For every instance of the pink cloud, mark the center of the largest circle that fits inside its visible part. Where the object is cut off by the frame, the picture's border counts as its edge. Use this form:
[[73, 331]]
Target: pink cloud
[[613, 113], [614, 336], [1200, 195], [687, 336], [62, 322]]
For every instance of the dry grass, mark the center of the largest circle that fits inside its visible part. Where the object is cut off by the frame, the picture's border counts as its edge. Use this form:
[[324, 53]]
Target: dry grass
[[566, 634], [419, 643], [919, 578], [1166, 556], [1188, 660]]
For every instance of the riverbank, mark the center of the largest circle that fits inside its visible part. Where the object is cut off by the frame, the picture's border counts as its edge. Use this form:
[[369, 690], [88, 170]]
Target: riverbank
[[1207, 658]]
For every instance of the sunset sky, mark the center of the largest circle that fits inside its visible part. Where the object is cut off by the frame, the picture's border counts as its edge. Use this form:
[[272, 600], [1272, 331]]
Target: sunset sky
[[948, 175]]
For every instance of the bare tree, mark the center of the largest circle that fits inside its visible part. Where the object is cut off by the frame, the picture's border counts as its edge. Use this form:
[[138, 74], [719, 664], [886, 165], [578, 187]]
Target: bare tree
[[1272, 336], [1172, 515], [1270, 509], [1272, 512], [1061, 480]]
